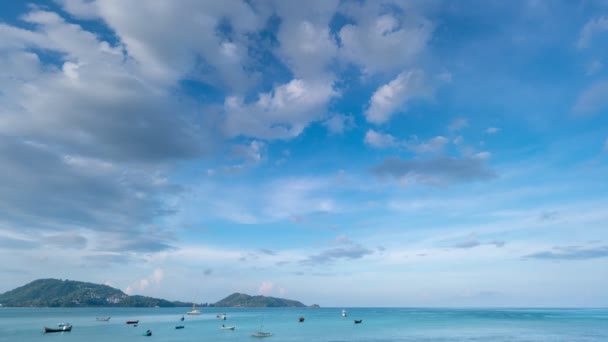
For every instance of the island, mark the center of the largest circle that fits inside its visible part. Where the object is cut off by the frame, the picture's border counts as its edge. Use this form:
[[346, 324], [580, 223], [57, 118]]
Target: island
[[70, 293], [244, 300]]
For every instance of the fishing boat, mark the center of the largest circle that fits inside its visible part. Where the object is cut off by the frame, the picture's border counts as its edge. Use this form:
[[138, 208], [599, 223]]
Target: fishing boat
[[179, 327], [194, 311], [103, 319], [344, 313], [132, 322], [228, 327], [65, 328]]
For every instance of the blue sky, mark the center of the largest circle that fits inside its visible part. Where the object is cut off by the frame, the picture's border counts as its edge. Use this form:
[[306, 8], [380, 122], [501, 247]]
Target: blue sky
[[345, 153]]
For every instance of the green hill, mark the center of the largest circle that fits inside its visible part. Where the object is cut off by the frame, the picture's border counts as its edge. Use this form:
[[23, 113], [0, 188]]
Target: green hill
[[69, 293], [243, 300]]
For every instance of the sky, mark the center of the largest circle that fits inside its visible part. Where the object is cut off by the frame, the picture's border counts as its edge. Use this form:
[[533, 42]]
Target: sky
[[343, 153]]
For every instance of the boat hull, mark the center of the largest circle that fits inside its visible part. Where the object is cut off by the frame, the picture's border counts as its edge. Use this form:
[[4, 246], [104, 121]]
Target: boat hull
[[54, 330]]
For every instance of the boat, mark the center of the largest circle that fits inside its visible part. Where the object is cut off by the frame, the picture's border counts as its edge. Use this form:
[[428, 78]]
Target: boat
[[65, 328], [63, 325], [301, 319], [260, 333], [179, 327], [103, 319], [344, 313], [194, 311], [147, 333], [132, 322], [182, 319], [358, 321], [228, 327]]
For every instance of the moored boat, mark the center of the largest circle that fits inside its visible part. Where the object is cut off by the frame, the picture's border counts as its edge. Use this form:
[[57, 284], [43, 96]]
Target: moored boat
[[179, 327], [194, 311], [147, 333], [261, 334], [103, 319], [65, 328], [132, 322], [358, 321], [228, 327], [344, 313]]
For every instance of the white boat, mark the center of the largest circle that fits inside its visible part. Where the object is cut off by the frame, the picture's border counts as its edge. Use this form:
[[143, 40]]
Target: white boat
[[194, 311], [344, 313], [103, 319], [261, 334], [228, 327]]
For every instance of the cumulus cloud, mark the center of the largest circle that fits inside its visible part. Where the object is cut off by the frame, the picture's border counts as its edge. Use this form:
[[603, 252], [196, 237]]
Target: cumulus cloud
[[282, 113], [591, 28], [435, 171], [339, 123], [306, 44], [155, 278], [381, 41], [393, 97], [379, 140], [571, 253]]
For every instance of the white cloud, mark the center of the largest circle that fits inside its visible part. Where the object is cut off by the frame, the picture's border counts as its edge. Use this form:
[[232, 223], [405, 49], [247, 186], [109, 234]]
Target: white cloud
[[492, 130], [593, 99], [277, 200], [84, 9], [457, 124], [253, 152], [281, 114], [594, 67], [165, 54], [379, 41], [155, 278], [591, 28], [379, 140], [394, 96], [434, 145], [338, 123], [482, 155], [266, 288]]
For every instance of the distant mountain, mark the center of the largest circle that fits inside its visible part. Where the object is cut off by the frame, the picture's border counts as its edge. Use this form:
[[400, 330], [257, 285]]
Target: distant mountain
[[243, 300], [69, 293]]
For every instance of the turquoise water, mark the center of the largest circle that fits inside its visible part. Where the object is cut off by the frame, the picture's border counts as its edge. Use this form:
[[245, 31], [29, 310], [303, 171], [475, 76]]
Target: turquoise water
[[324, 325]]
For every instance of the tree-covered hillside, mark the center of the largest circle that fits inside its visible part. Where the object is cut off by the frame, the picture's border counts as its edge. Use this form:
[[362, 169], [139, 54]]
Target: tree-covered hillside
[[243, 300], [69, 293]]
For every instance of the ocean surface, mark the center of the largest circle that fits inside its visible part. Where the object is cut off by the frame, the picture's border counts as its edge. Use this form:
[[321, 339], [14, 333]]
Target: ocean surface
[[324, 325]]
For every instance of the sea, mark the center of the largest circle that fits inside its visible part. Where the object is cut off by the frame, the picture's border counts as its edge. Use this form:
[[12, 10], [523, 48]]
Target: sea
[[323, 325]]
